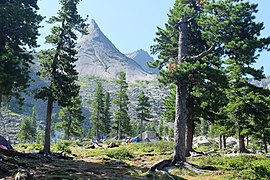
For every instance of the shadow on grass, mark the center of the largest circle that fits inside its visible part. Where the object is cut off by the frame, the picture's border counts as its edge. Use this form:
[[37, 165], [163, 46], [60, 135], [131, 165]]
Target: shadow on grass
[[84, 168]]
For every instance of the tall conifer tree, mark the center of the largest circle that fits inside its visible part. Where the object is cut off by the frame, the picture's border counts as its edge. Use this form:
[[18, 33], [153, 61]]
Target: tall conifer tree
[[107, 114], [58, 63], [71, 119], [19, 24], [122, 120], [143, 111], [186, 51], [98, 111], [242, 44]]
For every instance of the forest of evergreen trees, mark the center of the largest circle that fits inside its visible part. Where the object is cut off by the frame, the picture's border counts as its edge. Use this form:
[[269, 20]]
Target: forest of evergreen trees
[[206, 53]]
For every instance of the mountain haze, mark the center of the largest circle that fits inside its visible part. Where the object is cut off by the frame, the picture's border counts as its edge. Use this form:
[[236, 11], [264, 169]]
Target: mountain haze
[[99, 57]]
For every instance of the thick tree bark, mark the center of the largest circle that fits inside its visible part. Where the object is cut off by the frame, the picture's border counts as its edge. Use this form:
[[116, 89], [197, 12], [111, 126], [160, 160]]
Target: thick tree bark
[[242, 147], [47, 144], [180, 125], [189, 134], [181, 100]]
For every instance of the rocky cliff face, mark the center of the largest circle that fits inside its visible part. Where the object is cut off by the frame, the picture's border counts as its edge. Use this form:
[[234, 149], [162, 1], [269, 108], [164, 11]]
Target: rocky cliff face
[[142, 58], [100, 58]]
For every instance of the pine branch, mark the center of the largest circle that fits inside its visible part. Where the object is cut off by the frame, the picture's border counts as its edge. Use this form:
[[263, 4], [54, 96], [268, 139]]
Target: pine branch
[[199, 56]]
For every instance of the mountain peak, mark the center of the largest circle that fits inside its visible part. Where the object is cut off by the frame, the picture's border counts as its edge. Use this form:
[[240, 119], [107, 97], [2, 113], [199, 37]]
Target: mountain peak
[[99, 57], [93, 26], [142, 57]]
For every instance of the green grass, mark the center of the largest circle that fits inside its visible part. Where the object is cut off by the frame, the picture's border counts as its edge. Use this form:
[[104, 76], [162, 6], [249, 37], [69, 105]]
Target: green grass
[[238, 167], [151, 147]]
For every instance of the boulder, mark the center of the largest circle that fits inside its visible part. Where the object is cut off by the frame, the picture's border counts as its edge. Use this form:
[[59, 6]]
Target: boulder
[[112, 145], [231, 141], [201, 141], [150, 136]]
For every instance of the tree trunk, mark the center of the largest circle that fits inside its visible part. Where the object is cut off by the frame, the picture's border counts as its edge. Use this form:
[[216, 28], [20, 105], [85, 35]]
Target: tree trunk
[[1, 99], [97, 133], [97, 122], [224, 142], [68, 130], [181, 100], [141, 129], [265, 143], [247, 140], [242, 147], [47, 144], [220, 142], [119, 129], [180, 125], [189, 134]]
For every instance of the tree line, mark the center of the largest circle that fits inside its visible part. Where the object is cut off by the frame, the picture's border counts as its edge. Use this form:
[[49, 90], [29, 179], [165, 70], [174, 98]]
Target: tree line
[[103, 123]]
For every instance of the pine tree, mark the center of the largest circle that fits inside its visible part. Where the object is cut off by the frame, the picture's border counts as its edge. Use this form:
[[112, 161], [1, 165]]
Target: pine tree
[[97, 116], [19, 24], [185, 48], [122, 120], [71, 119], [168, 104], [27, 130], [260, 120], [35, 121], [57, 64], [107, 114], [143, 111], [242, 43]]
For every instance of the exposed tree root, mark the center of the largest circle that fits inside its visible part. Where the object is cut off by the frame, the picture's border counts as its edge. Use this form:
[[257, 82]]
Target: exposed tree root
[[164, 164], [194, 153], [160, 165], [199, 169]]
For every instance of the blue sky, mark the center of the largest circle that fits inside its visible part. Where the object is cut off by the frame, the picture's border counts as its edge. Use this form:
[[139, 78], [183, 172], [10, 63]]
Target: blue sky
[[131, 24]]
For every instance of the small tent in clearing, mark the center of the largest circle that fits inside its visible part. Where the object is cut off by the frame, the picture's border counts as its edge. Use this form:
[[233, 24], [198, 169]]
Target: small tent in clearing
[[4, 144]]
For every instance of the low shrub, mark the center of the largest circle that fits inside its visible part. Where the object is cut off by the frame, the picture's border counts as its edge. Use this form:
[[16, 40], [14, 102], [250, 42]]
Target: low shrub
[[29, 147], [63, 146], [119, 153]]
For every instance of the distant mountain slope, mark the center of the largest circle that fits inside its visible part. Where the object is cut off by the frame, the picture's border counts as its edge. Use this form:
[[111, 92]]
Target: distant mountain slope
[[142, 57], [99, 57]]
